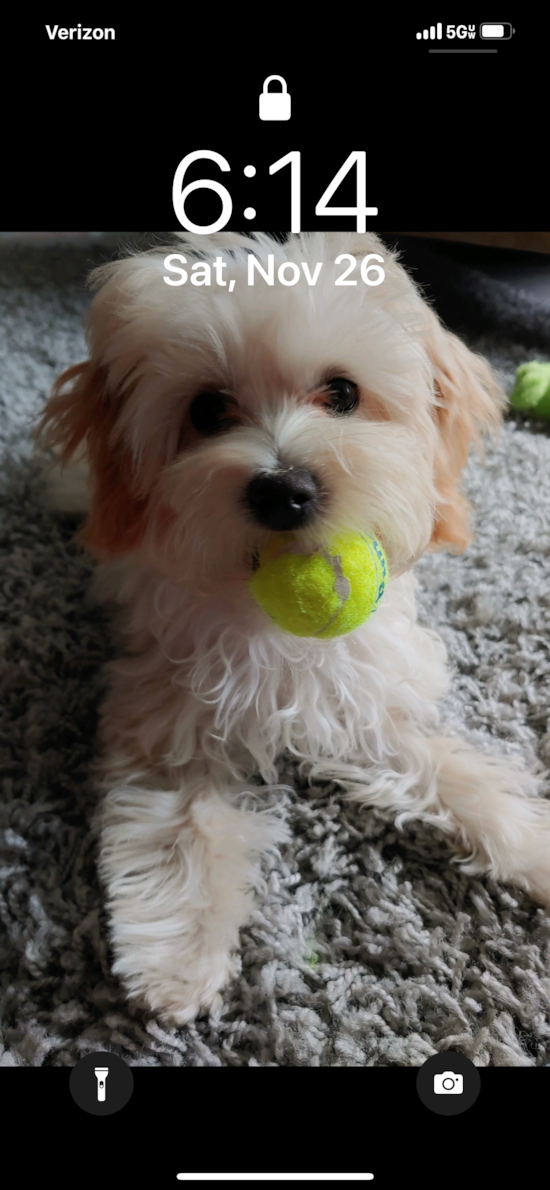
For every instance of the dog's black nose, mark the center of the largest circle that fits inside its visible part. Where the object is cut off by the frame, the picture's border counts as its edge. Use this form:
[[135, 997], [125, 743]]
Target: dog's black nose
[[282, 501]]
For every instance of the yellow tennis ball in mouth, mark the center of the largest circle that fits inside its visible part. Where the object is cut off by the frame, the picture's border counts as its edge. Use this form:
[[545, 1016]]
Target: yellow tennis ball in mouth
[[326, 593]]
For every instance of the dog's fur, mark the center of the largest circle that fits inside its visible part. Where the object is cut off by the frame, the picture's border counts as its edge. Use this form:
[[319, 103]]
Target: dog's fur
[[210, 691]]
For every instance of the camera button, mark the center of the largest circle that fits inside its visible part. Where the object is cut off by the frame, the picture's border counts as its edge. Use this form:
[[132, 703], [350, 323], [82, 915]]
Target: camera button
[[448, 1083]]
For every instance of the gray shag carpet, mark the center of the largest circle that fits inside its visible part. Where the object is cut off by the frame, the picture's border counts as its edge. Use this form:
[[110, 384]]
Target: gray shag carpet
[[371, 948]]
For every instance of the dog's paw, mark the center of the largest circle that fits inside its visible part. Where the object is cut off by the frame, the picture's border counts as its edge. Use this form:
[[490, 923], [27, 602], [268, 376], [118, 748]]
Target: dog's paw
[[177, 998], [536, 881], [502, 816]]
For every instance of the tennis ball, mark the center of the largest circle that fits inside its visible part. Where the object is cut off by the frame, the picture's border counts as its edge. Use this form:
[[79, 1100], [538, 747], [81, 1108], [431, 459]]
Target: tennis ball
[[327, 593], [532, 389]]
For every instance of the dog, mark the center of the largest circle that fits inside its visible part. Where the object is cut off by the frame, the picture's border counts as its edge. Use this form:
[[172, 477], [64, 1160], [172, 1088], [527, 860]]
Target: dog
[[212, 416]]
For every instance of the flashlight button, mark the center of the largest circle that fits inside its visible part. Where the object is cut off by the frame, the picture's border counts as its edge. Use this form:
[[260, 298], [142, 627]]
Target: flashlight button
[[101, 1083]]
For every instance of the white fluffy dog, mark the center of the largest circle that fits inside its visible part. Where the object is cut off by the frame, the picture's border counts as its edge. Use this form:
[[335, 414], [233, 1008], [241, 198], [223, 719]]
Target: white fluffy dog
[[212, 416]]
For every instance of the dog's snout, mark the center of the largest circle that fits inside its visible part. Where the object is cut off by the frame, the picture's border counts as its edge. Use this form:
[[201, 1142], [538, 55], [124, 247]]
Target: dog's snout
[[283, 500]]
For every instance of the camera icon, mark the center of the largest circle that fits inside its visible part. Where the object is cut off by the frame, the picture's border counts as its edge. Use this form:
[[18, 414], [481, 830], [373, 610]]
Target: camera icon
[[448, 1083]]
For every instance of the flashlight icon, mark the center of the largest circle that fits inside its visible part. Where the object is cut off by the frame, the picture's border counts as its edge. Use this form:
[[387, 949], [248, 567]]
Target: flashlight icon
[[101, 1073]]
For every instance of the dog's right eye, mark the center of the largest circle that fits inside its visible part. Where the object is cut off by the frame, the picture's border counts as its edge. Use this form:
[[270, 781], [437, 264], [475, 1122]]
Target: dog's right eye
[[209, 413], [343, 396]]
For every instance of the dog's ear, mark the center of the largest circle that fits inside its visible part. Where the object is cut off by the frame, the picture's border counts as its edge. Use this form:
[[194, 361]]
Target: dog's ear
[[469, 402], [82, 412]]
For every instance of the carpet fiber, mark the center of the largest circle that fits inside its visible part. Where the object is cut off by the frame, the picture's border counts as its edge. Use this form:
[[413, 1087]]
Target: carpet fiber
[[370, 947]]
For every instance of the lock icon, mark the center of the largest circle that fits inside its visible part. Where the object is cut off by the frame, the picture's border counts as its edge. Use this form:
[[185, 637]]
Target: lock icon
[[274, 105]]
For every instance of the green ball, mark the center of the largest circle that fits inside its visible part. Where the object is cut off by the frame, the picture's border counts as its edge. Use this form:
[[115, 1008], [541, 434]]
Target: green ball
[[327, 593], [532, 389]]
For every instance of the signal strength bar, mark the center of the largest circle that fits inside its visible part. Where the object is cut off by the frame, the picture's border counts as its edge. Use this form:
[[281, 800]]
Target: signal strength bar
[[430, 35]]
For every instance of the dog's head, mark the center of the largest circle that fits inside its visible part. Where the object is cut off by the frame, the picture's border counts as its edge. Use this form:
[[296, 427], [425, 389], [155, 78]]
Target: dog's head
[[215, 414]]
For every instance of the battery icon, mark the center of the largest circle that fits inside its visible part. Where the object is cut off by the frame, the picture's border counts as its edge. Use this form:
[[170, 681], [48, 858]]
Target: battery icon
[[496, 32]]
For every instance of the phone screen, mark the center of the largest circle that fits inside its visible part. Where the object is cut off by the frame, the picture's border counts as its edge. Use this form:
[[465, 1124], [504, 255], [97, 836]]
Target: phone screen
[[275, 507]]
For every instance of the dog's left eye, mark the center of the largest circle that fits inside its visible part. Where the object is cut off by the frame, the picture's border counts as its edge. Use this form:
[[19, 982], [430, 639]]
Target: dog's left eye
[[342, 396], [210, 413]]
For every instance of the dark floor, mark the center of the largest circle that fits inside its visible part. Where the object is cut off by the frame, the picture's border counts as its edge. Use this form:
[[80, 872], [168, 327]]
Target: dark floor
[[528, 271]]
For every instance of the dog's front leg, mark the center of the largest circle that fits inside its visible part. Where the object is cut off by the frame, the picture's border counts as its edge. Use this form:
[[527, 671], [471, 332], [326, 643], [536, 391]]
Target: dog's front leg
[[490, 805], [499, 811], [178, 867]]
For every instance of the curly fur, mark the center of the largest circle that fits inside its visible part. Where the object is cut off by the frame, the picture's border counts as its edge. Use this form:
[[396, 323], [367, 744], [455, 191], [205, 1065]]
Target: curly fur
[[211, 693]]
